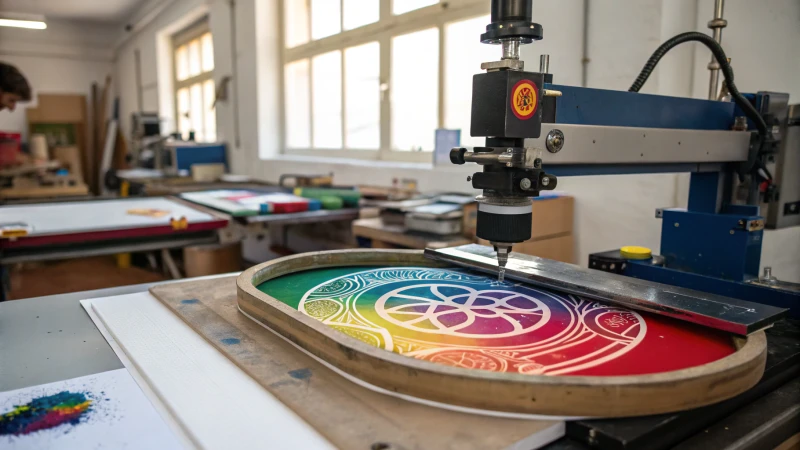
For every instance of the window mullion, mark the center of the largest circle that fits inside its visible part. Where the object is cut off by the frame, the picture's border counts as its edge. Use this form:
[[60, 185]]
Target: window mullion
[[344, 98], [341, 16], [441, 86], [311, 101], [385, 43], [203, 111], [342, 81], [192, 80], [308, 21]]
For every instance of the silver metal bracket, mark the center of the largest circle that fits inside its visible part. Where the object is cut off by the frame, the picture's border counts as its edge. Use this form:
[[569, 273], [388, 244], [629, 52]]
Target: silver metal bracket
[[507, 64], [702, 308]]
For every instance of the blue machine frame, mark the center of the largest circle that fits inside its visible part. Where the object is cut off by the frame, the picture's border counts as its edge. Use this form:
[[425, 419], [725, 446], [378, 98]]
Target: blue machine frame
[[712, 246]]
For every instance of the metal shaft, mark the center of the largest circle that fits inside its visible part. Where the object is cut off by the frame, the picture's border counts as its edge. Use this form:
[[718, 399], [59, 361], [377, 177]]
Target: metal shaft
[[544, 64], [716, 25], [502, 259], [510, 49]]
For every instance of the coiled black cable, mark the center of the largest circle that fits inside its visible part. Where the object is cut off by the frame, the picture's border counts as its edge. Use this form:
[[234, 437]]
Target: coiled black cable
[[725, 67]]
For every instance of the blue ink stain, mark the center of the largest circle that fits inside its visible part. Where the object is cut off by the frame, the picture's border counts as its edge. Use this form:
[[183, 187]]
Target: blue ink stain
[[229, 341], [300, 374], [191, 301], [280, 383]]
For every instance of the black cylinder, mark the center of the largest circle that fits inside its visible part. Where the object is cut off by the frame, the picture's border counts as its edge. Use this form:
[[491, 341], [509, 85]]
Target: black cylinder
[[509, 228], [505, 10], [511, 19]]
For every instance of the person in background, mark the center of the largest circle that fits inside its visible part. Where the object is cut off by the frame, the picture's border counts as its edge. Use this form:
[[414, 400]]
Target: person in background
[[13, 87]]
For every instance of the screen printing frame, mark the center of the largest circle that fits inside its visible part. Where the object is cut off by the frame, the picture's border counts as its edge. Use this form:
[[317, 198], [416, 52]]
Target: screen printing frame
[[212, 221], [615, 396]]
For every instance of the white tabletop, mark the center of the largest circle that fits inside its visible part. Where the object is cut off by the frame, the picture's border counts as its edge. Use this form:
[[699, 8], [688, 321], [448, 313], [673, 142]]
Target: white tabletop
[[88, 216]]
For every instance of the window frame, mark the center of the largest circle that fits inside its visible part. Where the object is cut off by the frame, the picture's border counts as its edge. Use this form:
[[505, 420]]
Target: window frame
[[387, 27], [188, 34]]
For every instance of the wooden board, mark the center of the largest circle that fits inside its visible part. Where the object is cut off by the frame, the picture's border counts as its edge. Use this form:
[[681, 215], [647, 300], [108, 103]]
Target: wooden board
[[44, 192], [522, 392], [398, 235], [348, 415]]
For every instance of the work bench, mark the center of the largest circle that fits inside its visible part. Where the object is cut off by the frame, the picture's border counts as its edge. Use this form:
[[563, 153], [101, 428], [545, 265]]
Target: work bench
[[68, 230], [52, 338]]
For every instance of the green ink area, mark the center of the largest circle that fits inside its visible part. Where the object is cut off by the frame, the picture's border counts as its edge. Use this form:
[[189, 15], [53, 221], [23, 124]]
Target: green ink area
[[290, 288]]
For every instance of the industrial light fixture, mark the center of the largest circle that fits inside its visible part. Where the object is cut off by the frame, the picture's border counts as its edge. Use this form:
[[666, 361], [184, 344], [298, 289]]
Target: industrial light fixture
[[30, 21]]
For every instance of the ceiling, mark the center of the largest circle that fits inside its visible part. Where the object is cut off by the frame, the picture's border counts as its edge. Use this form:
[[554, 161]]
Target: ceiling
[[109, 11]]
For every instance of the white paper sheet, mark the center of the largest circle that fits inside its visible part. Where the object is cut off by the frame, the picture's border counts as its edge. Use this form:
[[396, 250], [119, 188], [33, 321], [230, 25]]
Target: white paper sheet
[[119, 416], [191, 381]]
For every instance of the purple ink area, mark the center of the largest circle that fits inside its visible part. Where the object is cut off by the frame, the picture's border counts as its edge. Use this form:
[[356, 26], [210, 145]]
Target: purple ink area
[[483, 301], [452, 319], [521, 302]]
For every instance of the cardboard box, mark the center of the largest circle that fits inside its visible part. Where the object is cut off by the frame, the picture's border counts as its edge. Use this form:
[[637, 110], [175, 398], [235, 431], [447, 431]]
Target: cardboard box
[[552, 215], [551, 230], [469, 219], [560, 248], [58, 108], [201, 260]]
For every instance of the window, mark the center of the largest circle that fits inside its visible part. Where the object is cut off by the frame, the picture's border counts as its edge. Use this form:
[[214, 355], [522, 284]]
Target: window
[[463, 55], [374, 79], [194, 83]]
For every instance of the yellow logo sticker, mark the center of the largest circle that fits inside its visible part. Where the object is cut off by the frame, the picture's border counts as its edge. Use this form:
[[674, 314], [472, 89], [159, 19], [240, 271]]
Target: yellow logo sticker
[[523, 99]]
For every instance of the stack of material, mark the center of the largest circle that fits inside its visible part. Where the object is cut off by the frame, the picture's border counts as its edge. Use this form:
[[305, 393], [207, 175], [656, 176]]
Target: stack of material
[[244, 202], [438, 218], [331, 198]]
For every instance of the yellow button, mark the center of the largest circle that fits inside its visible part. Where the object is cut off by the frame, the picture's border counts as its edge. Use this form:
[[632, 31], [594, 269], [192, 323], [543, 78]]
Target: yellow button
[[636, 252]]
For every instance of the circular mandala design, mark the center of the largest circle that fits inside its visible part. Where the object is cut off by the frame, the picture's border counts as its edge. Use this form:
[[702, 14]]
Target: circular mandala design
[[470, 321], [462, 311]]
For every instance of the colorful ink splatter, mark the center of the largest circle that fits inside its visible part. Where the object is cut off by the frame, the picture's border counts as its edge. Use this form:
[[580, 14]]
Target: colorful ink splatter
[[45, 412]]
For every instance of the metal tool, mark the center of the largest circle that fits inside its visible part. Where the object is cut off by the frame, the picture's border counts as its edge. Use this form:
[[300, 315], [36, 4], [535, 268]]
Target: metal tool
[[512, 173], [710, 310]]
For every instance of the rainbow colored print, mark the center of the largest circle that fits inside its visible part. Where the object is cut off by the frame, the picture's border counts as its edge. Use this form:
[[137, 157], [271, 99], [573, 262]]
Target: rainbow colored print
[[468, 320], [45, 412]]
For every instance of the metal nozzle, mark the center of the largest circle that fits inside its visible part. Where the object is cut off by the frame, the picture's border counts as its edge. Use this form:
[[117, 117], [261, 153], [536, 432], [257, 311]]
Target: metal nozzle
[[502, 259]]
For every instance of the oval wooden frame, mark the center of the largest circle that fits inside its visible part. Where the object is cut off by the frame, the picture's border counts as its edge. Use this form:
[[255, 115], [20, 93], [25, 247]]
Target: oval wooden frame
[[614, 396]]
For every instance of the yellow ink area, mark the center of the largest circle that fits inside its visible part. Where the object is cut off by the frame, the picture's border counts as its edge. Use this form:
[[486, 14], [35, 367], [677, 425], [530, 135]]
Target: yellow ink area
[[523, 99], [148, 212], [179, 224]]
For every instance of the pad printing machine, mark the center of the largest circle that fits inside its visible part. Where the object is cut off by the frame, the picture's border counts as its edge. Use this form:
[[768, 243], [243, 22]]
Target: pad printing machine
[[741, 151]]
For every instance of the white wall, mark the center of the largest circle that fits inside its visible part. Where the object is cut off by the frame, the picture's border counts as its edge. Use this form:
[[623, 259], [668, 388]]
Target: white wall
[[610, 211], [65, 59], [761, 40]]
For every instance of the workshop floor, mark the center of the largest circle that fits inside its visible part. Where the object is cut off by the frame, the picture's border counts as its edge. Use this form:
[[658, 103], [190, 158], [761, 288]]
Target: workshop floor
[[59, 277]]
